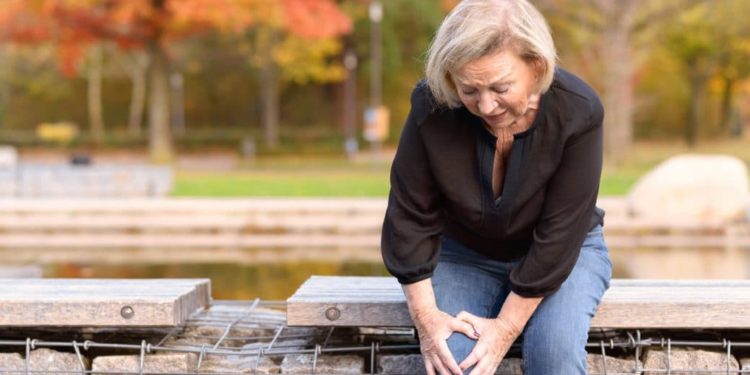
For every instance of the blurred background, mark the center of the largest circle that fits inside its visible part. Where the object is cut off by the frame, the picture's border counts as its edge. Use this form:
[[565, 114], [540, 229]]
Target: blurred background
[[249, 141]]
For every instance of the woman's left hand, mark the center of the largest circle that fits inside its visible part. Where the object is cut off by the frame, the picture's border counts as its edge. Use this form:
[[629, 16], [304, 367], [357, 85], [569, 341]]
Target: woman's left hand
[[495, 338]]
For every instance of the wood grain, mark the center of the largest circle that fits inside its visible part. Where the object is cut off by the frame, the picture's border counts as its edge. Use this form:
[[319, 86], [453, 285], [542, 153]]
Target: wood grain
[[100, 302], [379, 301]]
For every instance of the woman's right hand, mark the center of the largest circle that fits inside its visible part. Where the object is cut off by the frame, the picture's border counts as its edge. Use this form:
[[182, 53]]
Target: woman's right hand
[[434, 328]]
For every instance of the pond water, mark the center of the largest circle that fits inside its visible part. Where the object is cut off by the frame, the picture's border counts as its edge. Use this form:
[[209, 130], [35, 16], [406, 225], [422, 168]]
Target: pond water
[[276, 274]]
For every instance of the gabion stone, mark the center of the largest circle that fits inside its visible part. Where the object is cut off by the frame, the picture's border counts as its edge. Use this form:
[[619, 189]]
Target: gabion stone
[[169, 363], [11, 361], [401, 364], [510, 366], [326, 364], [615, 366], [688, 359], [215, 364], [51, 360], [414, 364]]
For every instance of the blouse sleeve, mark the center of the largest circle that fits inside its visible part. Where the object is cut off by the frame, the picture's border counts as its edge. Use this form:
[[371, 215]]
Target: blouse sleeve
[[569, 204], [413, 220]]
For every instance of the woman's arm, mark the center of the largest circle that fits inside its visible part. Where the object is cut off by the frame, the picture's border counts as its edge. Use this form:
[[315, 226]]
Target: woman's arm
[[434, 328]]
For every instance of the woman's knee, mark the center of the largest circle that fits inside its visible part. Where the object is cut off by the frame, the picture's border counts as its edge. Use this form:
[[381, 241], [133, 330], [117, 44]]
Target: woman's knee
[[460, 346]]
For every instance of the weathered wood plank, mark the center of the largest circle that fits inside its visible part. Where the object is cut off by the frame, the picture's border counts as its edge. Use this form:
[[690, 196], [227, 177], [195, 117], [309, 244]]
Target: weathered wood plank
[[101, 302], [379, 301]]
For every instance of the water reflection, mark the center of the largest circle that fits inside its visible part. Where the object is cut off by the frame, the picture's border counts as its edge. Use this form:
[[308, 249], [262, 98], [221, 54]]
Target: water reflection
[[677, 263], [251, 274], [269, 281]]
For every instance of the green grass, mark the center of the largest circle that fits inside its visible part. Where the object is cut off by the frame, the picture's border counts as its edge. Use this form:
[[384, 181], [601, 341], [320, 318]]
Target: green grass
[[328, 177], [289, 177], [269, 184]]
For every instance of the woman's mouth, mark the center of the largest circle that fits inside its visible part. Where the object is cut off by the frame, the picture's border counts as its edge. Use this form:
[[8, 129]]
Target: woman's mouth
[[494, 118]]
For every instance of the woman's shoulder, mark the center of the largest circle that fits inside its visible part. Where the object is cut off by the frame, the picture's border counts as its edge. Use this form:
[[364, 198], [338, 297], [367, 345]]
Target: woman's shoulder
[[423, 103], [575, 95]]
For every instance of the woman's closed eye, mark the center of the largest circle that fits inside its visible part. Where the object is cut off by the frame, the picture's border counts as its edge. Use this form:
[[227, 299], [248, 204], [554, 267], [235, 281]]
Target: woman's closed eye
[[500, 90]]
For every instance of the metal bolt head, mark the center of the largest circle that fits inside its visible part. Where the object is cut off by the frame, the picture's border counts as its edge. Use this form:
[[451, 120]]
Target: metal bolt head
[[127, 312], [333, 313]]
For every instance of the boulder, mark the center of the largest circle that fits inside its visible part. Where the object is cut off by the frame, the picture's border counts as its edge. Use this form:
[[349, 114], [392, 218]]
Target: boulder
[[692, 188]]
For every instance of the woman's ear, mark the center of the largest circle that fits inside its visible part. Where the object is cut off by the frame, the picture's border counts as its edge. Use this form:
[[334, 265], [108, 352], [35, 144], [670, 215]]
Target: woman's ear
[[540, 69]]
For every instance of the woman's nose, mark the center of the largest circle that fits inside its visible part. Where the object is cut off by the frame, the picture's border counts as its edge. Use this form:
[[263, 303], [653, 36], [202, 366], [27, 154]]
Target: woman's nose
[[486, 104]]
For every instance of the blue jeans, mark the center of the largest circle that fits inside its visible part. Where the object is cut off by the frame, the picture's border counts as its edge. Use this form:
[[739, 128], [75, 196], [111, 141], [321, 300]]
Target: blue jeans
[[554, 340]]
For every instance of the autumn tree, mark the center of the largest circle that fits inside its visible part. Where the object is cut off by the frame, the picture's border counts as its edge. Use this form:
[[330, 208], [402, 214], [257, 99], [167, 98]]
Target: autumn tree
[[295, 41], [612, 30], [150, 25]]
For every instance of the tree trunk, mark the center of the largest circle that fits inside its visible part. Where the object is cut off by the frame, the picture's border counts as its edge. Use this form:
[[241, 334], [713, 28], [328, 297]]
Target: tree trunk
[[5, 73], [269, 82], [160, 142], [698, 82], [138, 96], [618, 81], [176, 84], [727, 97], [96, 119]]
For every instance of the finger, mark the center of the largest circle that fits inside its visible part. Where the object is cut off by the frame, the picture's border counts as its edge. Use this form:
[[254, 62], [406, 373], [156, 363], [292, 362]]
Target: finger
[[428, 365], [438, 364], [447, 358], [483, 367], [472, 319], [467, 329], [474, 357]]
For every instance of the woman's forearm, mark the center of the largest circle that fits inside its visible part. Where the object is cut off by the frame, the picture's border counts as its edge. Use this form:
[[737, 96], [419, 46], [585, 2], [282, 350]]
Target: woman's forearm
[[517, 310], [420, 297]]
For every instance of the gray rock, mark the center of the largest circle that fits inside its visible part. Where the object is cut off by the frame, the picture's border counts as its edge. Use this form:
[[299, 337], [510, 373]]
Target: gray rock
[[615, 366], [11, 361], [401, 364], [744, 363], [326, 364], [687, 359], [237, 336], [179, 362], [51, 360], [413, 364], [510, 366], [239, 365]]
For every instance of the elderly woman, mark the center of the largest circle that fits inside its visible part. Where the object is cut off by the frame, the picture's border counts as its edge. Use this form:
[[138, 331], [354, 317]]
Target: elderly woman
[[492, 226]]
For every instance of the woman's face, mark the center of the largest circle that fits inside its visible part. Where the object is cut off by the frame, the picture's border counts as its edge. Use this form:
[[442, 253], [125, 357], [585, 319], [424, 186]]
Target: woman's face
[[500, 88]]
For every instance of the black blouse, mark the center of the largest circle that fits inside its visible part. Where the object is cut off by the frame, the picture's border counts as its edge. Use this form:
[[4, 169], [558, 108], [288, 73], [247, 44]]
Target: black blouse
[[441, 184]]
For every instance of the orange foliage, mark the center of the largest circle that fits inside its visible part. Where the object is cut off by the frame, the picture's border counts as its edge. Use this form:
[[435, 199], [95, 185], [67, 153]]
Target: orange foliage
[[72, 25], [315, 19]]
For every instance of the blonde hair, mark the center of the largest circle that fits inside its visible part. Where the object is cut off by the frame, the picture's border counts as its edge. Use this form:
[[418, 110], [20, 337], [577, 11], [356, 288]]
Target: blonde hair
[[477, 28]]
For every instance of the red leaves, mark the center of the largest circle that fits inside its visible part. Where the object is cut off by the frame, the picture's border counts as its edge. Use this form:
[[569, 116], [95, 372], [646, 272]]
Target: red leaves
[[315, 19]]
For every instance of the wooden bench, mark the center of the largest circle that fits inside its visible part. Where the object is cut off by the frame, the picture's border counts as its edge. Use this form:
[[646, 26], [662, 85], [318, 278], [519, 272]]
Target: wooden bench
[[101, 302], [657, 304]]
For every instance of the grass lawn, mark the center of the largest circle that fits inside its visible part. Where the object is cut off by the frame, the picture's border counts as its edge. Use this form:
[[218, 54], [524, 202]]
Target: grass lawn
[[309, 177]]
